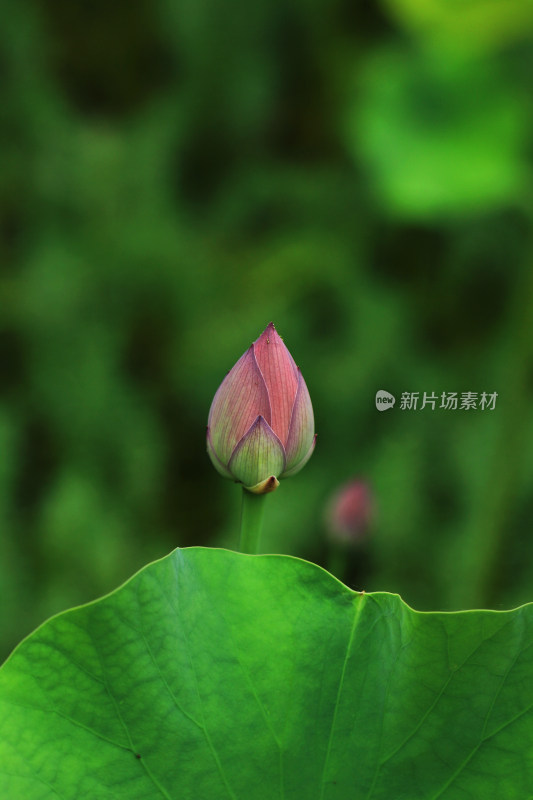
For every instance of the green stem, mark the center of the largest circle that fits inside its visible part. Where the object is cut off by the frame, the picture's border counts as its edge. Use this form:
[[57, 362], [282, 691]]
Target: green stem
[[253, 509]]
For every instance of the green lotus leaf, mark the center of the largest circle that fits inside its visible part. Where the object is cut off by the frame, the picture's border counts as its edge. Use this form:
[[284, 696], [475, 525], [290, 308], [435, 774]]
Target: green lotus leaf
[[214, 675]]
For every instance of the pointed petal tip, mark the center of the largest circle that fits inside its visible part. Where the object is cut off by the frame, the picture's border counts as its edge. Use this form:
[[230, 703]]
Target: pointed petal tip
[[270, 330]]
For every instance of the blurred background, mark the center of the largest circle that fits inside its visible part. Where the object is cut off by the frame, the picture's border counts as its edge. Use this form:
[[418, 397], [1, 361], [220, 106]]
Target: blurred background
[[173, 176]]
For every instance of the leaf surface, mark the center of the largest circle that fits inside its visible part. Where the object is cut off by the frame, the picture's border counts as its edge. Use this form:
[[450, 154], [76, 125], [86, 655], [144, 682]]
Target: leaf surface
[[214, 675]]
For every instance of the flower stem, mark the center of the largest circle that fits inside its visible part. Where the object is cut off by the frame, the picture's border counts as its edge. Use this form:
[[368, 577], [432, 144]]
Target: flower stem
[[253, 508]]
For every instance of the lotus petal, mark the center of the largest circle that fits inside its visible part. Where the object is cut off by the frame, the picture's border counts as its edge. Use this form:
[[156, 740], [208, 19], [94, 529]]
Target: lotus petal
[[302, 426], [240, 399], [281, 377], [258, 456], [297, 467], [217, 463]]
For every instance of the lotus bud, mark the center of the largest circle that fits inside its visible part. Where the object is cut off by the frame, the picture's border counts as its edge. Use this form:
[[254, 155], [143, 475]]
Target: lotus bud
[[350, 512], [261, 426]]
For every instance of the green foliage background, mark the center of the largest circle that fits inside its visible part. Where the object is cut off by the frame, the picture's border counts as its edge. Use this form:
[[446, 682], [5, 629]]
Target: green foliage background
[[173, 176]]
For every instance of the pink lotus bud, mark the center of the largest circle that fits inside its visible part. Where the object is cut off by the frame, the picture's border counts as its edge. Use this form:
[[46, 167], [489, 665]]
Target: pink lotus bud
[[261, 424], [350, 512]]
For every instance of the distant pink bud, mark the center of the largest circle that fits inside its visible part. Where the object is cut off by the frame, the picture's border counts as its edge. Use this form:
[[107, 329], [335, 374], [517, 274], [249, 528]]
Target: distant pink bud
[[261, 423], [350, 512]]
